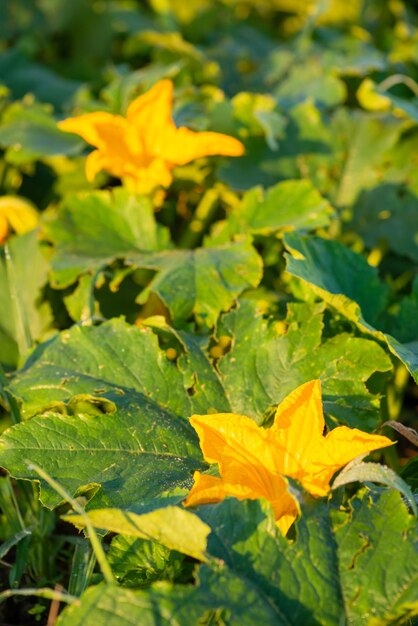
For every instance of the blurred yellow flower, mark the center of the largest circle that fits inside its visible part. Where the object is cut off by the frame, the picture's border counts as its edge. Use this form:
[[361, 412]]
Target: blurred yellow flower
[[16, 214], [253, 461], [143, 147]]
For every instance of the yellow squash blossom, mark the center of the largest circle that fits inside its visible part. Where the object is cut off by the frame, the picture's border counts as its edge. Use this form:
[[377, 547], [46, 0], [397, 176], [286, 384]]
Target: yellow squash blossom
[[143, 147], [16, 214], [253, 461]]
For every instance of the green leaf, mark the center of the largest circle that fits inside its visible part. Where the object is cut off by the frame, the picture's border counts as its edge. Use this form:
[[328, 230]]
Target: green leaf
[[202, 282], [289, 205], [23, 77], [266, 362], [13, 540], [310, 81], [374, 472], [111, 605], [345, 281], [112, 361], [378, 588], [171, 526], [136, 454], [317, 578], [22, 317], [92, 231], [139, 562], [334, 268], [365, 144], [269, 578], [387, 216], [30, 132]]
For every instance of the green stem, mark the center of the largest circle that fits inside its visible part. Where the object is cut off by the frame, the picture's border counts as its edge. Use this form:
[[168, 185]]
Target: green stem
[[398, 79], [3, 173], [391, 409], [16, 504], [201, 219], [44, 592]]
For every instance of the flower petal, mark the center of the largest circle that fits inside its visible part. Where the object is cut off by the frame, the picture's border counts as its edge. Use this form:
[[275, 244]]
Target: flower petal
[[110, 135], [145, 179], [226, 438], [95, 162], [4, 229], [206, 490], [184, 145], [340, 446], [344, 444], [18, 213], [149, 116], [157, 103], [210, 489], [248, 463], [285, 521], [298, 426], [99, 129]]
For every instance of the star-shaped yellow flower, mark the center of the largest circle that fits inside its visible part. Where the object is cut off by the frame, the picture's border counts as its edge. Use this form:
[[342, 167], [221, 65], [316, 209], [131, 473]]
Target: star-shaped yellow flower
[[143, 147], [253, 461]]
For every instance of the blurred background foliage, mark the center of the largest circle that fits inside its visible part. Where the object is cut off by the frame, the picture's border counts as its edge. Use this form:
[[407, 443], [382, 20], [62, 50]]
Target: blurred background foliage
[[321, 91]]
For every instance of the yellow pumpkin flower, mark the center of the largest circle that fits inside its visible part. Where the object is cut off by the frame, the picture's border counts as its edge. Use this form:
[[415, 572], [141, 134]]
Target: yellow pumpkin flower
[[143, 147], [253, 461], [16, 214]]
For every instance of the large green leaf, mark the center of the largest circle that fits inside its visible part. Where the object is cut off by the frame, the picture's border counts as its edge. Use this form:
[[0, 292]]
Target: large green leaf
[[346, 282], [271, 579], [257, 576], [135, 453], [334, 268], [123, 422], [266, 362], [113, 605], [116, 358], [263, 365], [138, 562]]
